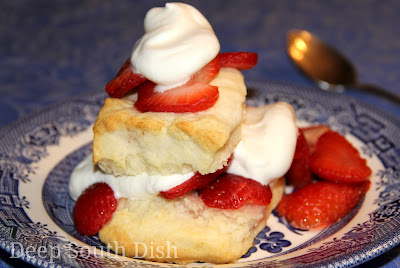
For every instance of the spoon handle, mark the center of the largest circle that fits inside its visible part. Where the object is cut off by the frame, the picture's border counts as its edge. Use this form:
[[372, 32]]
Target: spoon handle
[[380, 92]]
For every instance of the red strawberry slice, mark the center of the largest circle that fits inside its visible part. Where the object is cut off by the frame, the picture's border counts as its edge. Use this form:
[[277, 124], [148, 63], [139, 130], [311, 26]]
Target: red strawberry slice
[[231, 191], [299, 173], [124, 81], [192, 97], [196, 95], [336, 159], [198, 181], [208, 72], [238, 60], [312, 135], [94, 208], [321, 203]]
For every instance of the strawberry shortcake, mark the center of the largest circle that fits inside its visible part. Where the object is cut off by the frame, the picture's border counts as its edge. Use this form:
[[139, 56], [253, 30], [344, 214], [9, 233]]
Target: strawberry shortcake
[[182, 171], [179, 164]]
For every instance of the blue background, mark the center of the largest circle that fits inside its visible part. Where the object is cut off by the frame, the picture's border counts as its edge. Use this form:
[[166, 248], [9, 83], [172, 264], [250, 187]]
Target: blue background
[[52, 50]]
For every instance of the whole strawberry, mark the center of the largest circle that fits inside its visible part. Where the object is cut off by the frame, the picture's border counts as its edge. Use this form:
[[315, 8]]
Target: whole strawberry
[[231, 191], [94, 208], [321, 203]]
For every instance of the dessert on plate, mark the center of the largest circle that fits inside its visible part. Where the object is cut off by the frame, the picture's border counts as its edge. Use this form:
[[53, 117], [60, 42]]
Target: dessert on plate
[[182, 171]]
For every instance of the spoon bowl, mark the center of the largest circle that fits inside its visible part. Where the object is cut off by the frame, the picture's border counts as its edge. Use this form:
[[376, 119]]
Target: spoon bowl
[[327, 66]]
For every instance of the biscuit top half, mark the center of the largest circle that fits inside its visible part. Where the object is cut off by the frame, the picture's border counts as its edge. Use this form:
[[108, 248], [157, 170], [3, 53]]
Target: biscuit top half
[[128, 142]]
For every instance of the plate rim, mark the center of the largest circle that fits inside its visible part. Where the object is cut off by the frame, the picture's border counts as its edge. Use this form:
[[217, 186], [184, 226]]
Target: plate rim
[[38, 112]]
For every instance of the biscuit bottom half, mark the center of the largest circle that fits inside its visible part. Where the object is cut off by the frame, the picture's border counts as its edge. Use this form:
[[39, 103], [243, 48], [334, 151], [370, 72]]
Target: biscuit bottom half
[[185, 230]]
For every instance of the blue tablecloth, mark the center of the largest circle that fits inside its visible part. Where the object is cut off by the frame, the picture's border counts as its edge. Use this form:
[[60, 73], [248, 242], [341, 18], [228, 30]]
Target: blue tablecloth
[[51, 50]]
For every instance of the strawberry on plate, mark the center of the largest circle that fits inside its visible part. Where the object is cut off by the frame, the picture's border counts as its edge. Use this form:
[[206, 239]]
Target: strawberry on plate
[[94, 208], [231, 191], [312, 134], [195, 95], [124, 81], [198, 181], [336, 159], [238, 60], [321, 203], [299, 173]]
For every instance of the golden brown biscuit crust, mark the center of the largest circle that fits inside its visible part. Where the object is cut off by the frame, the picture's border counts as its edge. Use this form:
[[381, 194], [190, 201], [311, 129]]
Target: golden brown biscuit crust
[[127, 142]]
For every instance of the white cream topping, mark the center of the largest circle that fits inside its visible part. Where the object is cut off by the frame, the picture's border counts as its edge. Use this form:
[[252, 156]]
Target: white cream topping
[[266, 150], [133, 187], [178, 42]]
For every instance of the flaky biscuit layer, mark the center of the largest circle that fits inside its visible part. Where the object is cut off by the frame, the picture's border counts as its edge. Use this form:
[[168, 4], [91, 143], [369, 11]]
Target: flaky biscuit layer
[[185, 230], [127, 142]]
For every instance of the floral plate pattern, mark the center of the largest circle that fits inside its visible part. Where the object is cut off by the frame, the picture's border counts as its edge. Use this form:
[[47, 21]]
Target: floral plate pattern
[[38, 153]]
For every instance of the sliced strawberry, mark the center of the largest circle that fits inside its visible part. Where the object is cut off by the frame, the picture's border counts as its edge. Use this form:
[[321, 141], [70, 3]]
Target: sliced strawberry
[[238, 60], [312, 135], [321, 203], [124, 81], [196, 95], [336, 159], [231, 191], [208, 72], [198, 181], [299, 173], [94, 208], [188, 98]]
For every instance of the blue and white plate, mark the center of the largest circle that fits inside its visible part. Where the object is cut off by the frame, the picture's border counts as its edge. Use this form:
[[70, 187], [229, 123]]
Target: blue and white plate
[[38, 153]]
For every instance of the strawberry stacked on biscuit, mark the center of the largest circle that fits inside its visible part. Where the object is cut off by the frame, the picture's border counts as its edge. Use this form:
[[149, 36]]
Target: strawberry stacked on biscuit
[[195, 95]]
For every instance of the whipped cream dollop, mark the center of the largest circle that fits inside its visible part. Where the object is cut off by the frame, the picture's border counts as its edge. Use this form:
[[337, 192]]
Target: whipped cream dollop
[[178, 42], [266, 149], [265, 152], [133, 187]]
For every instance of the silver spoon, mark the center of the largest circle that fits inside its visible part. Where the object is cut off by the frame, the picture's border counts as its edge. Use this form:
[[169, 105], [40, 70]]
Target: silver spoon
[[326, 66]]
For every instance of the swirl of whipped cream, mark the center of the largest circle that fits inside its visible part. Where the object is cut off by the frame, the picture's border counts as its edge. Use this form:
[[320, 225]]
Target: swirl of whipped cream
[[266, 150], [134, 187], [178, 42]]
